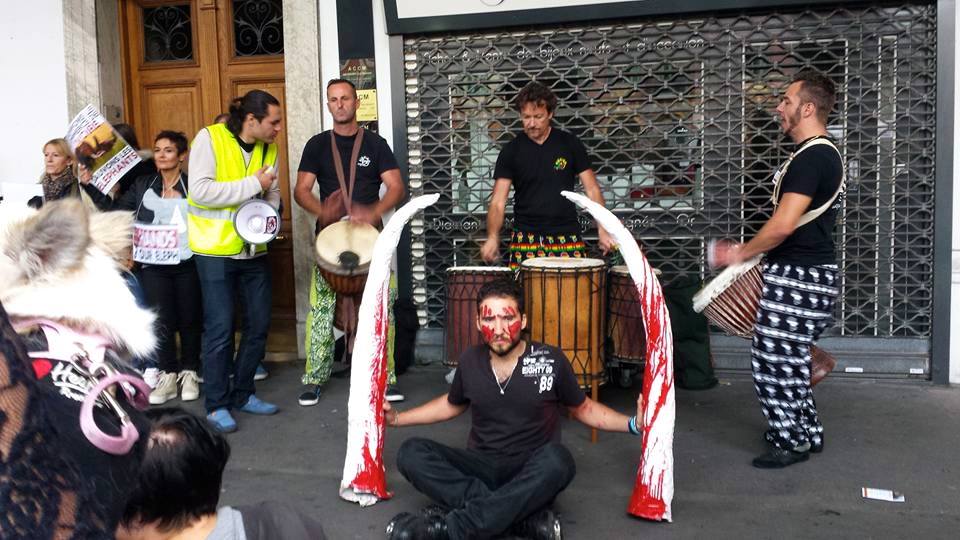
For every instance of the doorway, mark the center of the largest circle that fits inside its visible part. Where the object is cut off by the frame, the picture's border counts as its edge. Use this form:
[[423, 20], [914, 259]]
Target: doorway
[[184, 61]]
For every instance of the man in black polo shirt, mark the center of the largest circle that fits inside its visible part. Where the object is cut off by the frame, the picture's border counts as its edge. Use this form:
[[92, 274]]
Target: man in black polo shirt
[[375, 165], [540, 163], [800, 274], [514, 464]]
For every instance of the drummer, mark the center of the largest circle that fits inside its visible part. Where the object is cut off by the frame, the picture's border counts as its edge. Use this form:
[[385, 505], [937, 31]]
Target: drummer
[[375, 167], [514, 464], [539, 163], [800, 274]]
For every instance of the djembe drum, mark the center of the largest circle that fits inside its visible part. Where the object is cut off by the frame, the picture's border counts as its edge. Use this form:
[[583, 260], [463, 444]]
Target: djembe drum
[[463, 284], [344, 250], [564, 300], [731, 300]]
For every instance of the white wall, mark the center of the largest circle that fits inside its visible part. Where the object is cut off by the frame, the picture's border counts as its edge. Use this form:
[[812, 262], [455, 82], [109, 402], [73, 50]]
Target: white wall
[[34, 92]]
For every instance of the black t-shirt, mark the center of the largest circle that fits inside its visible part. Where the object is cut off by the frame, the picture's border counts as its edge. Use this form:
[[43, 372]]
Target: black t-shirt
[[815, 172], [539, 173], [375, 159], [527, 415]]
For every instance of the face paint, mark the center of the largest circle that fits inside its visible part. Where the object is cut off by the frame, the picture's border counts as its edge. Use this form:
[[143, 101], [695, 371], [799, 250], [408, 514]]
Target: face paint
[[500, 324]]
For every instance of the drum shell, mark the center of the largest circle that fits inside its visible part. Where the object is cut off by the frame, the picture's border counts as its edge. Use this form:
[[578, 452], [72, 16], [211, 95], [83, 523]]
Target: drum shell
[[626, 336], [463, 284], [566, 308], [345, 284], [735, 309]]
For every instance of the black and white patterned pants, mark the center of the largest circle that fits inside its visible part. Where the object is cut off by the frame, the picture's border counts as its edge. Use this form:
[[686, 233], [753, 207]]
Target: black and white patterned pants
[[795, 307]]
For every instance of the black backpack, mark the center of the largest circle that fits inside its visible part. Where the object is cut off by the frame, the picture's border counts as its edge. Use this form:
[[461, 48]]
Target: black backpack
[[405, 338]]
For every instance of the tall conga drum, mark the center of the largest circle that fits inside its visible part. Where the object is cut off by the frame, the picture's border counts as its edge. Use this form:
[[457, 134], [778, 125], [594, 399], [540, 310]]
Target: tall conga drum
[[626, 337], [730, 301], [463, 284], [565, 308]]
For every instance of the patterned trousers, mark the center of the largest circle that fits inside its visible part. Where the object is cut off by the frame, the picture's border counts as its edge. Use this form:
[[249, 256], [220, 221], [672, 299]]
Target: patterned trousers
[[529, 245], [319, 339], [795, 307]]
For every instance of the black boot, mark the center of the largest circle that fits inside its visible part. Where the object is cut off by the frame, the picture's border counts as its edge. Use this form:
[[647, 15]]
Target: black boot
[[540, 525], [406, 526]]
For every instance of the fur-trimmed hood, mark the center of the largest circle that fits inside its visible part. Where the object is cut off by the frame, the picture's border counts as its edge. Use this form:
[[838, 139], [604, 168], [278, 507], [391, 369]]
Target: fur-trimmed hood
[[62, 263]]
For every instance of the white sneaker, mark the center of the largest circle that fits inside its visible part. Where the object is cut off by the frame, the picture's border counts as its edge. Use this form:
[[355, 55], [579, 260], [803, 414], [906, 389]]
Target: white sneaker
[[166, 389], [189, 385], [151, 376]]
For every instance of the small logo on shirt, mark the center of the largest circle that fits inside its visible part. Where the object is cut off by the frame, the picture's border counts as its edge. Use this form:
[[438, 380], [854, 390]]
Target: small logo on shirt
[[560, 164], [364, 161]]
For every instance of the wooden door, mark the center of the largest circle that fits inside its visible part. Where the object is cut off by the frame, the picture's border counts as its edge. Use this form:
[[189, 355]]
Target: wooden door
[[185, 62]]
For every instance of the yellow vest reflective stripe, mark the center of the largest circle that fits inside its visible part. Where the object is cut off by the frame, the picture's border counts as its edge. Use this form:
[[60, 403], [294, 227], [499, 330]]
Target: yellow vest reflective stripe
[[210, 229]]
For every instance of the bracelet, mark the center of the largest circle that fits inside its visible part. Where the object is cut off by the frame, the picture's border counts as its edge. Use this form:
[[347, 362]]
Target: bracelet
[[632, 426], [396, 418]]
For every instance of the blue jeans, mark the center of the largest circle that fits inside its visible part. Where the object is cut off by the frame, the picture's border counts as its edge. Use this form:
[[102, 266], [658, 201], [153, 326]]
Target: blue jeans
[[221, 278]]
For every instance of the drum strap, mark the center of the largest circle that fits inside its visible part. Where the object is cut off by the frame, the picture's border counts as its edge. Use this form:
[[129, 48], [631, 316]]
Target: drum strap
[[782, 171], [338, 165]]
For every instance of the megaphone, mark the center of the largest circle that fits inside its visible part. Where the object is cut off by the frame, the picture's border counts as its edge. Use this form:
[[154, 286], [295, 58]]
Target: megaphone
[[256, 222]]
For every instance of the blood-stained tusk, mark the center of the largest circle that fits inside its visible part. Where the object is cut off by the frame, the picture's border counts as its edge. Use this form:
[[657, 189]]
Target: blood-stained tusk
[[364, 480], [653, 490]]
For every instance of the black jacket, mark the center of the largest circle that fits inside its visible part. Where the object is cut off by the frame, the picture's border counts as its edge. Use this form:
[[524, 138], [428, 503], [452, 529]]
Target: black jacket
[[132, 198]]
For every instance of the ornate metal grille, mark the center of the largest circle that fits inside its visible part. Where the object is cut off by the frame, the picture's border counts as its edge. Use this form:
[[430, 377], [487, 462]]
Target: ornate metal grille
[[257, 27], [678, 117], [167, 34]]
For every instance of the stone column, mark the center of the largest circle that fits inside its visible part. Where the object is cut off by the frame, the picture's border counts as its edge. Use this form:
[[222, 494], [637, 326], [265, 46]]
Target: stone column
[[304, 99], [80, 53]]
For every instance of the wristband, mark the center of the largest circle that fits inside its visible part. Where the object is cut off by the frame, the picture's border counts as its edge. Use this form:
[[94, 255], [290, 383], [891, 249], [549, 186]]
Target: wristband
[[632, 426]]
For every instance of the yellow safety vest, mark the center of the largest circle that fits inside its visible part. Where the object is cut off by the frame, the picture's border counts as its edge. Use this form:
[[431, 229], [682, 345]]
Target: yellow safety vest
[[210, 229]]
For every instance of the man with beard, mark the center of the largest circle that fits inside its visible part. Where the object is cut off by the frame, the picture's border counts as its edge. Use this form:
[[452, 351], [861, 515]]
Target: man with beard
[[800, 274], [362, 163], [539, 163], [514, 464]]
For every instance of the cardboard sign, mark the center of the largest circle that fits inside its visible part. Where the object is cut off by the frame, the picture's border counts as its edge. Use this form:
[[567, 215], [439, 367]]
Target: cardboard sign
[[156, 244]]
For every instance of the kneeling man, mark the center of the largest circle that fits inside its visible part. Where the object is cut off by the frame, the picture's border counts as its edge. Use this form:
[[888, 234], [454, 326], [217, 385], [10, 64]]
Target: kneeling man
[[514, 464]]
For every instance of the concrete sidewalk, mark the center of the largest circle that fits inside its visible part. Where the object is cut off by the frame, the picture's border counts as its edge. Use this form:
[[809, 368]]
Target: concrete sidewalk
[[884, 434]]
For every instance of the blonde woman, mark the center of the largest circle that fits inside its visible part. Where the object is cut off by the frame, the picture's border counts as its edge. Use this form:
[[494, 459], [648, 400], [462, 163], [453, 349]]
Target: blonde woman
[[59, 178]]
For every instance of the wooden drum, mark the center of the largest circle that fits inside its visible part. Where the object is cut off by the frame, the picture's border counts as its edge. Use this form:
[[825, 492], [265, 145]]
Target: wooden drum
[[463, 284], [626, 337], [565, 308], [731, 300], [344, 250]]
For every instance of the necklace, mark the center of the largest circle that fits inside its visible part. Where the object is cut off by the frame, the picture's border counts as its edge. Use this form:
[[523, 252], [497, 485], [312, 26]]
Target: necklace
[[496, 378]]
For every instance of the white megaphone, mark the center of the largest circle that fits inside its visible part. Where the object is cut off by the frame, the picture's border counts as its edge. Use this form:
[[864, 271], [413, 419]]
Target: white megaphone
[[257, 222]]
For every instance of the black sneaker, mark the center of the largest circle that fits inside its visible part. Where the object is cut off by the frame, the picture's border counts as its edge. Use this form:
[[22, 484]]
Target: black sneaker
[[393, 394], [778, 458], [310, 396], [541, 525]]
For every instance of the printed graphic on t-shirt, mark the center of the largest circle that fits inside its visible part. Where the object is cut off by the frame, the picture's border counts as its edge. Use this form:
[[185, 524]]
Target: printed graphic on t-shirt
[[539, 366], [560, 164], [364, 161]]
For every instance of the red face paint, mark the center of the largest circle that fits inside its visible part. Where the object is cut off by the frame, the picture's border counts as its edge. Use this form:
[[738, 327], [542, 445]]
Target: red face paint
[[514, 330], [487, 332]]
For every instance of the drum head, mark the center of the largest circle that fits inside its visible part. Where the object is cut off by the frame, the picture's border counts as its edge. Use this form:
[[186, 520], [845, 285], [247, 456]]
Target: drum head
[[622, 270], [478, 270], [562, 263], [346, 247]]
